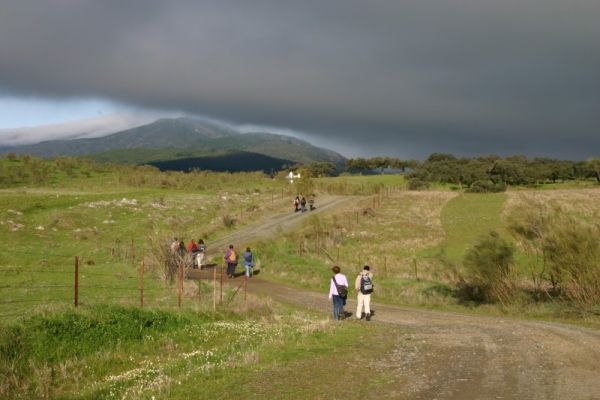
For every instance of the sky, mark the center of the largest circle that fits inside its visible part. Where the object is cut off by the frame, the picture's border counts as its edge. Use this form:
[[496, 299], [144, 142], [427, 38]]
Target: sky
[[383, 77]]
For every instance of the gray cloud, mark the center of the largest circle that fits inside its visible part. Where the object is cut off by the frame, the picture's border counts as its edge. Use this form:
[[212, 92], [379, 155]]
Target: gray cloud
[[84, 128], [391, 77]]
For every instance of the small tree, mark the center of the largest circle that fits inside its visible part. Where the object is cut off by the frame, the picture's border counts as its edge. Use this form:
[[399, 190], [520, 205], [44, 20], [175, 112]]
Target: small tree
[[594, 165], [489, 270]]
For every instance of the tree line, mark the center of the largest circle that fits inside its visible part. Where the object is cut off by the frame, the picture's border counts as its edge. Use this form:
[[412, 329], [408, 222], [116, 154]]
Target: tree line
[[494, 173], [476, 174]]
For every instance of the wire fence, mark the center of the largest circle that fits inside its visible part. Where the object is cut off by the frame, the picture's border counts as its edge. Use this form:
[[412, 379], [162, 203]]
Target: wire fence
[[67, 281]]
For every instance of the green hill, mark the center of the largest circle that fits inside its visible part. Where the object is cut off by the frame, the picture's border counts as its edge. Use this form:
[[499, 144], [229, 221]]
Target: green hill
[[168, 139]]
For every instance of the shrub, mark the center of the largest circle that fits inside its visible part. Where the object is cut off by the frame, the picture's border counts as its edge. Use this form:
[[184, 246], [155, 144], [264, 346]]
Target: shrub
[[161, 260], [417, 184], [486, 187], [489, 270], [228, 221], [572, 250]]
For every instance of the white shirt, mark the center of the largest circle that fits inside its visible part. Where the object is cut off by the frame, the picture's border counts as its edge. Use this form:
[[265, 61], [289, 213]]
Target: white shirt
[[341, 281]]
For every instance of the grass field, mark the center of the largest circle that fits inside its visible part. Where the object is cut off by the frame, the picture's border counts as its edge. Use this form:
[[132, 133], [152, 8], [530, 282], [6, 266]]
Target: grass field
[[110, 219]]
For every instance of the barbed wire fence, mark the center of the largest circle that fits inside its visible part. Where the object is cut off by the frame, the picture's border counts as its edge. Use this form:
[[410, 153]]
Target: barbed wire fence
[[74, 281]]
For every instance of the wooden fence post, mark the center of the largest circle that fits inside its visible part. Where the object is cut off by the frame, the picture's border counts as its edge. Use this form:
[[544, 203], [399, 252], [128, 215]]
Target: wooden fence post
[[179, 285], [76, 281], [142, 284], [214, 288], [221, 287], [245, 289], [415, 264]]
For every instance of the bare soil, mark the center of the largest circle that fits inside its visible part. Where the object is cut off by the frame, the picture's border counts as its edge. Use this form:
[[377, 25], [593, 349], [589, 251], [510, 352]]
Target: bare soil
[[442, 355]]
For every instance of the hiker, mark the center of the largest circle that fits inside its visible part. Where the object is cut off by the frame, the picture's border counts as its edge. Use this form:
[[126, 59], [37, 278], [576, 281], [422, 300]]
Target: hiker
[[192, 247], [364, 287], [201, 253], [174, 246], [338, 292], [231, 258], [311, 203], [303, 204], [182, 250], [296, 203], [248, 262]]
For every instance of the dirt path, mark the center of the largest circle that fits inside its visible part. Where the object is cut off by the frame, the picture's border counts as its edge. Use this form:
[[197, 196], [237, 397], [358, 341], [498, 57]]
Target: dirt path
[[283, 221], [452, 356], [440, 355]]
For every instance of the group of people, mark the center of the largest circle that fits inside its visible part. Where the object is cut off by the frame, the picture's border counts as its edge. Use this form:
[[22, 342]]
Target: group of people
[[338, 288], [231, 259], [194, 252], [338, 293], [300, 204]]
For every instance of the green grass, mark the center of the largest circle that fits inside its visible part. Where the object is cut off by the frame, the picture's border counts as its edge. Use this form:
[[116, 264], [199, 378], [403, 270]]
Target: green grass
[[468, 217], [115, 352]]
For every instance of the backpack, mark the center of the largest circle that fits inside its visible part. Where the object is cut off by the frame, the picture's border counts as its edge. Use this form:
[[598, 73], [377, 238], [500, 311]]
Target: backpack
[[233, 257], [341, 289], [366, 285]]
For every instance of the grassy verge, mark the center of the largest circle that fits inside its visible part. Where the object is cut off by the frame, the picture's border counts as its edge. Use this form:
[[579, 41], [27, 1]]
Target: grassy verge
[[118, 352]]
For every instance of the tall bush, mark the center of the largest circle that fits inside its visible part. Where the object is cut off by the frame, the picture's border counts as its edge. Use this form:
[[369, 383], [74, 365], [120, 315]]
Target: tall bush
[[489, 267]]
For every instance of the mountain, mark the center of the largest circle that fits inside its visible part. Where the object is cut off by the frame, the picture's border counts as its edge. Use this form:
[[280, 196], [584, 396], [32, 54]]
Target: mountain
[[176, 138]]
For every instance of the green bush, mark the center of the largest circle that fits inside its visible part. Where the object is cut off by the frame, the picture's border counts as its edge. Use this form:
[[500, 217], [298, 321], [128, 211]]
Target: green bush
[[489, 269], [417, 184], [572, 251], [27, 346], [486, 187]]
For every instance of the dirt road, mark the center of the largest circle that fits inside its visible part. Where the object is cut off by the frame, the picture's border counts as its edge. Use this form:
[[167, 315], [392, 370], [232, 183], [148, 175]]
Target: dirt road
[[439, 355]]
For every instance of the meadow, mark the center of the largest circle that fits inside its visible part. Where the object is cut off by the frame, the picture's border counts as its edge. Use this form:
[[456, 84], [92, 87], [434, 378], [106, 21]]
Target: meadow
[[113, 217]]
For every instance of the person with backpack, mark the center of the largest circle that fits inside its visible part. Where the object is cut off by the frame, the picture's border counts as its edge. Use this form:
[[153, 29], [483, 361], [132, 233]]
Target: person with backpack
[[248, 262], [338, 292], [364, 287], [231, 258]]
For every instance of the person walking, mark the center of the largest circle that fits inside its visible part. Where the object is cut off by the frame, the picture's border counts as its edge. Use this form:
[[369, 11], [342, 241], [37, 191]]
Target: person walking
[[201, 253], [364, 286], [231, 258], [338, 292], [174, 246], [296, 204], [303, 204], [192, 247], [248, 262]]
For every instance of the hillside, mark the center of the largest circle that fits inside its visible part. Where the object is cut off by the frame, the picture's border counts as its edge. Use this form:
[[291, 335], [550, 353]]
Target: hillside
[[240, 161], [168, 137]]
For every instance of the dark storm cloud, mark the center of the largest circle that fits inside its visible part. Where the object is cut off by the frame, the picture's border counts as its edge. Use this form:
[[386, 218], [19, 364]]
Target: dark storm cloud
[[401, 78]]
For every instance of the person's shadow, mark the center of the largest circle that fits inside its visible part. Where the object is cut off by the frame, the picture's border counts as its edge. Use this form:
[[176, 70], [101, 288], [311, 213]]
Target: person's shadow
[[242, 273]]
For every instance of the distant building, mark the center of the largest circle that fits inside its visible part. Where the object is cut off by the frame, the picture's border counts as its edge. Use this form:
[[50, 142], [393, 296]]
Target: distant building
[[291, 176]]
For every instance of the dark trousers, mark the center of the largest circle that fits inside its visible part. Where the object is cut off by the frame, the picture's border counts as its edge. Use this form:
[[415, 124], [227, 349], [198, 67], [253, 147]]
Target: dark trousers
[[338, 307], [231, 269]]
